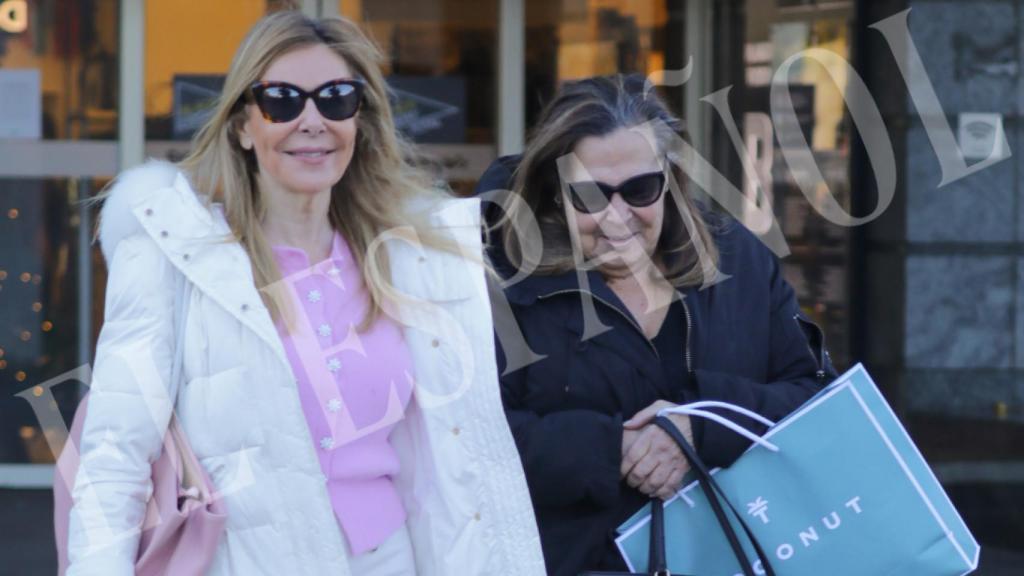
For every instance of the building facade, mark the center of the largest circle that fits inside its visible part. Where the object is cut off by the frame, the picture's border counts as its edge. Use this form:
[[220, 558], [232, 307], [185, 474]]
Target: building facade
[[928, 293]]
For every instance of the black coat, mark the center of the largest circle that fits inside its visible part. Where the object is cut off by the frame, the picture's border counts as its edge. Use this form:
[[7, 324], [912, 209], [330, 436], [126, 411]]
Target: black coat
[[747, 344]]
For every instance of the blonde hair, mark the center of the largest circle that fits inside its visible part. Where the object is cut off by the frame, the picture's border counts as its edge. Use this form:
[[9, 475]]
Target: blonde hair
[[374, 193], [597, 107]]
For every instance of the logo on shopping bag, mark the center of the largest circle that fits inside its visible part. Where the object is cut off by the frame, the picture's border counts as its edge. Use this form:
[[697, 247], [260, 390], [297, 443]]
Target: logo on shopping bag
[[759, 508], [808, 537]]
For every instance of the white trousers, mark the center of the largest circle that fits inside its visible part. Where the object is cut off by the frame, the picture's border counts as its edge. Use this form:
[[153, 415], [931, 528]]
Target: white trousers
[[393, 557]]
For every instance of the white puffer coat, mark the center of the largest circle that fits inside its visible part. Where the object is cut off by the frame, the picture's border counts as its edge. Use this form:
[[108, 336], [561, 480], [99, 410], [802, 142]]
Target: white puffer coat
[[461, 480]]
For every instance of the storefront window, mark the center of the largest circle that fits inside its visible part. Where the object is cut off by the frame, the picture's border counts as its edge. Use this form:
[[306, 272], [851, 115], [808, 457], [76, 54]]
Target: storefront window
[[441, 69], [184, 77], [59, 70], [573, 39], [818, 267], [928, 339], [441, 65], [58, 103], [46, 332]]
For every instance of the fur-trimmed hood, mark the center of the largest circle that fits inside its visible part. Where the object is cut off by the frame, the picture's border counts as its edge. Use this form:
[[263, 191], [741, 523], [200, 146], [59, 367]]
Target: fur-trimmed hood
[[238, 404], [157, 201], [117, 218], [236, 400]]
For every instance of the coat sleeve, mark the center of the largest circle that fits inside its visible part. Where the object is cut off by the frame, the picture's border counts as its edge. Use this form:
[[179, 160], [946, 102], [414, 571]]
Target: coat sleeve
[[128, 412], [795, 373], [570, 456]]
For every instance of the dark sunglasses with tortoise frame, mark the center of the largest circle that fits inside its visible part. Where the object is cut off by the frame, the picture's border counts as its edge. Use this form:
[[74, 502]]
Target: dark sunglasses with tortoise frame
[[283, 102]]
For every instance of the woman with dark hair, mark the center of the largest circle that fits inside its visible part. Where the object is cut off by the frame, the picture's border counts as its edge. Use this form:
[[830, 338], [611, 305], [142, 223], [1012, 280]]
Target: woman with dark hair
[[631, 298]]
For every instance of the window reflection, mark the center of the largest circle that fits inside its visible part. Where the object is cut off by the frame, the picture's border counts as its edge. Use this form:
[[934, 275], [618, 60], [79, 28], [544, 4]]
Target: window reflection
[[441, 59], [40, 292], [59, 75], [818, 267], [184, 78], [570, 39]]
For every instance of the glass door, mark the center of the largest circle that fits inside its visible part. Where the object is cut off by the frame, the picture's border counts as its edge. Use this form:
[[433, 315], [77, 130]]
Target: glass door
[[573, 39], [441, 69], [58, 141], [819, 264], [965, 417]]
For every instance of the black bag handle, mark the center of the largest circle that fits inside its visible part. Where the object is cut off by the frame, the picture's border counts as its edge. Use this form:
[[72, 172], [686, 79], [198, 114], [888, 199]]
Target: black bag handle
[[713, 492], [656, 563]]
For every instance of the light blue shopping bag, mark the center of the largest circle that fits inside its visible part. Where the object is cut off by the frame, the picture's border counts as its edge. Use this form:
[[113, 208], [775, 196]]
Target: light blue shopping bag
[[837, 488]]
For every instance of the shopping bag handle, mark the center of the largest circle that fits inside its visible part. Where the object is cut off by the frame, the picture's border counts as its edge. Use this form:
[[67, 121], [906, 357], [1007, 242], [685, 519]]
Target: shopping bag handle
[[731, 407], [715, 497], [656, 563], [688, 411]]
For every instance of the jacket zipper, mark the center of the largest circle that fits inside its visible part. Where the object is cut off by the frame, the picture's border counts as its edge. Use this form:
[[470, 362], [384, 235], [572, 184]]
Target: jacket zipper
[[620, 313], [689, 330], [819, 358]]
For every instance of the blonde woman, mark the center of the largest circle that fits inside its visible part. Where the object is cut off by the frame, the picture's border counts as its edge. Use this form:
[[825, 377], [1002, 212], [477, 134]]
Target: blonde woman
[[330, 389]]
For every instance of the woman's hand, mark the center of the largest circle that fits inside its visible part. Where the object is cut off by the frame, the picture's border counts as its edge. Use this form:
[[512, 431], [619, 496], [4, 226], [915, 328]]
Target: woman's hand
[[652, 462]]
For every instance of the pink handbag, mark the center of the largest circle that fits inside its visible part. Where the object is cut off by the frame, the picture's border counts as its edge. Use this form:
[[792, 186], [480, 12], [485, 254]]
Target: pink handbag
[[184, 521]]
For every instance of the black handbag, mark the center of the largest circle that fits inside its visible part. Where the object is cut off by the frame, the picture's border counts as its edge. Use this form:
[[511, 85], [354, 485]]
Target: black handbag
[[657, 564]]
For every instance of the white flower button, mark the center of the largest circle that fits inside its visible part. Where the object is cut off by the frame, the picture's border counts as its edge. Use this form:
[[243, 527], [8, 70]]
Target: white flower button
[[327, 442], [334, 405], [324, 330], [334, 271], [313, 296], [334, 365]]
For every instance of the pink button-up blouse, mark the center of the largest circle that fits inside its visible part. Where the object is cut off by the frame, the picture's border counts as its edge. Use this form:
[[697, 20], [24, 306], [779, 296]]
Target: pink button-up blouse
[[353, 388]]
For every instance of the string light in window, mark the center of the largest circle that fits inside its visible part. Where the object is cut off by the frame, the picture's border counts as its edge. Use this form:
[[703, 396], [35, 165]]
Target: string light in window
[[12, 213], [37, 306], [3, 364], [27, 432], [3, 275], [20, 377], [25, 277], [47, 326], [26, 335]]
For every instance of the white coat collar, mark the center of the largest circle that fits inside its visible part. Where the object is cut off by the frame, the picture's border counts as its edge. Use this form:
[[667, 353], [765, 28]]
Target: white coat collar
[[157, 199]]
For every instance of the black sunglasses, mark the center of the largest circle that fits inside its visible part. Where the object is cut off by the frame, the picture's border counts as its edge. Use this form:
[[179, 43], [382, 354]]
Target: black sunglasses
[[638, 191], [284, 102]]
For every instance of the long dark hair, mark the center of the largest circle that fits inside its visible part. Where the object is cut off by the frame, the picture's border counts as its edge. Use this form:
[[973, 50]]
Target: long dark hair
[[597, 107]]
